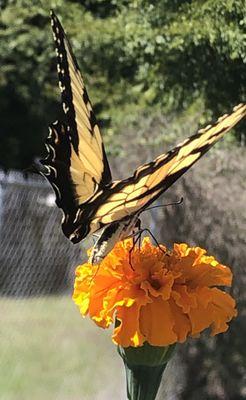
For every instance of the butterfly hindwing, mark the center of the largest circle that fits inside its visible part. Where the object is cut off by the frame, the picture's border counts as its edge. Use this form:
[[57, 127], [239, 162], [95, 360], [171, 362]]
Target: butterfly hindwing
[[133, 195]]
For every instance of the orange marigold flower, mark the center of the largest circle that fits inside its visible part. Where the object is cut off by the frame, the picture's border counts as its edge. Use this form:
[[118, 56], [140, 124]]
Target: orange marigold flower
[[160, 297]]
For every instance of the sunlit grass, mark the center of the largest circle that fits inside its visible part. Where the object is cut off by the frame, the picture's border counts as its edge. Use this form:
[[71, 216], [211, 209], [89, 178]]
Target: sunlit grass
[[49, 352]]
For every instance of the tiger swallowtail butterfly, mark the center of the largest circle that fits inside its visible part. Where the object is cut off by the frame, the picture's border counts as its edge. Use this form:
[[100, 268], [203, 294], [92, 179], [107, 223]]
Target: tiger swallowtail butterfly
[[77, 167]]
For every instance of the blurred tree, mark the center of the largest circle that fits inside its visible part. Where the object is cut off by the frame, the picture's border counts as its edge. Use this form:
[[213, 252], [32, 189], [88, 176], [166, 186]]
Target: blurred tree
[[137, 57], [140, 59]]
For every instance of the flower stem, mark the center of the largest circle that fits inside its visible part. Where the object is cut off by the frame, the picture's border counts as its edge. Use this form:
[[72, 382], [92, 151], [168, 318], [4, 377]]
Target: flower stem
[[143, 382], [144, 367]]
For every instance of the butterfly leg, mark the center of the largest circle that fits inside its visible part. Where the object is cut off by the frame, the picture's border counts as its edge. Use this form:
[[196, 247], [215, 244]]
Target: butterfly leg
[[94, 275], [153, 237], [136, 238], [141, 231]]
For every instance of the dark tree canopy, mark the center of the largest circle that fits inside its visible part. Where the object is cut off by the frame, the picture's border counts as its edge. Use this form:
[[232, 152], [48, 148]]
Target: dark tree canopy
[[137, 57]]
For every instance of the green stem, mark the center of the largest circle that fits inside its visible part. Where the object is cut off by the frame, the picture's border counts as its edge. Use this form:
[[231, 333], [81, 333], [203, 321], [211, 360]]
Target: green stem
[[144, 367], [143, 382]]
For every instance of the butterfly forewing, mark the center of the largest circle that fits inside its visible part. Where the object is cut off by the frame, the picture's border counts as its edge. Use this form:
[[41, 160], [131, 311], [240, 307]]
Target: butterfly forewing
[[86, 164]]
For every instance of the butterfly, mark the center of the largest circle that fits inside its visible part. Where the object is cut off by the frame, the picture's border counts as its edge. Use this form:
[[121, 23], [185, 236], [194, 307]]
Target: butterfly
[[78, 170]]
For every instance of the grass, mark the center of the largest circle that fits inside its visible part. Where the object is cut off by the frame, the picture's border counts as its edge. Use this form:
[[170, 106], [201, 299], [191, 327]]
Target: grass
[[49, 352]]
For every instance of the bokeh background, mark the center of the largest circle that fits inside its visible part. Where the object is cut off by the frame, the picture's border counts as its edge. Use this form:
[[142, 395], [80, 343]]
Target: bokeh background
[[155, 72]]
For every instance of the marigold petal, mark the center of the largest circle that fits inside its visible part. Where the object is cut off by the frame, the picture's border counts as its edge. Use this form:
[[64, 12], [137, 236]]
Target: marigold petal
[[200, 316], [223, 310], [183, 298], [180, 248], [82, 300], [128, 332], [216, 311], [167, 282], [210, 275], [161, 287], [105, 291], [182, 325], [102, 309], [157, 322]]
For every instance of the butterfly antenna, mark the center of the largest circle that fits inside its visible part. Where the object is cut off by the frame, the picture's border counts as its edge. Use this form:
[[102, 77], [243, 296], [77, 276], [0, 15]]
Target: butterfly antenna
[[175, 203]]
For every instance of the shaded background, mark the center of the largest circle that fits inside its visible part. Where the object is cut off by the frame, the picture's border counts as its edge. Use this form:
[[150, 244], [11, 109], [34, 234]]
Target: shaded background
[[155, 71]]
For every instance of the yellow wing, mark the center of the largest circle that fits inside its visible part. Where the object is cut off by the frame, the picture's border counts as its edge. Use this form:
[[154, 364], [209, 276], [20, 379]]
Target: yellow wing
[[76, 156], [131, 196]]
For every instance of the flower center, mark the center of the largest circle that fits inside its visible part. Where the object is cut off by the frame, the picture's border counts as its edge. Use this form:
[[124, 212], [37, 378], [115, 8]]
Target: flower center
[[155, 284]]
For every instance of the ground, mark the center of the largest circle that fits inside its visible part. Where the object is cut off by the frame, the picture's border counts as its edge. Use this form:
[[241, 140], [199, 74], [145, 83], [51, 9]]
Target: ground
[[48, 351]]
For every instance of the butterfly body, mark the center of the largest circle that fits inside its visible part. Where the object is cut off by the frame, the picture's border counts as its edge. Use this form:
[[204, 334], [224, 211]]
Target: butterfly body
[[78, 170], [110, 235]]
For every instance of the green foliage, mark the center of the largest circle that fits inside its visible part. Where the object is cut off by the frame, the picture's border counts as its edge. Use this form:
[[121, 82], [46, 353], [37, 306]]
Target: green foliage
[[138, 57]]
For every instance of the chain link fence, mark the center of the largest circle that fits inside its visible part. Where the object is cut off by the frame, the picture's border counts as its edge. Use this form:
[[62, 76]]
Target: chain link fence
[[35, 257]]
